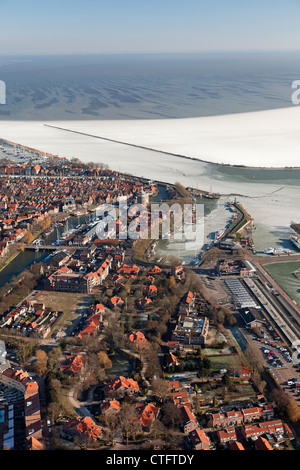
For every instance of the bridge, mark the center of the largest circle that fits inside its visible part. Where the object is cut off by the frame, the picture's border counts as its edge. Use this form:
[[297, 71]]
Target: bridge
[[35, 247]]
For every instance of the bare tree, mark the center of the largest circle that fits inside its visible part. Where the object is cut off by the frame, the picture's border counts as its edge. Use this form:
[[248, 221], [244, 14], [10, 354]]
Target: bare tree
[[112, 423], [161, 389], [171, 416], [129, 422]]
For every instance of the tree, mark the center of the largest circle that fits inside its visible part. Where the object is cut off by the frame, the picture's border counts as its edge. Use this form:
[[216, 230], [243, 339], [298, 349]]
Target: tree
[[172, 282], [128, 322], [53, 357], [226, 380], [253, 357], [280, 398], [112, 423], [174, 440], [28, 237], [151, 360], [24, 351], [94, 370], [40, 365], [171, 416], [157, 429], [128, 420], [161, 389], [104, 360], [293, 411]]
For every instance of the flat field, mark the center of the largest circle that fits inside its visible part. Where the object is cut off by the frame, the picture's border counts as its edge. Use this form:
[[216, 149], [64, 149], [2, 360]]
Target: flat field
[[70, 304]]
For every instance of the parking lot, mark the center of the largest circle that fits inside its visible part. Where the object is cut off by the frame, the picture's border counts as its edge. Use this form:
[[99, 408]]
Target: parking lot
[[273, 353], [277, 359]]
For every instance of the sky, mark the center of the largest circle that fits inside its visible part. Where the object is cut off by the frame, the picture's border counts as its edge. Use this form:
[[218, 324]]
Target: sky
[[34, 27]]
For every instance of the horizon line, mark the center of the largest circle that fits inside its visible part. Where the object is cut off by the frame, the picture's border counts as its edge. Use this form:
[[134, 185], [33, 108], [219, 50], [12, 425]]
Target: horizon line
[[214, 51]]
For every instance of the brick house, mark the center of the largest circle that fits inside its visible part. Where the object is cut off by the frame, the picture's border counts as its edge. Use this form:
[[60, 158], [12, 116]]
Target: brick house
[[189, 422], [198, 440]]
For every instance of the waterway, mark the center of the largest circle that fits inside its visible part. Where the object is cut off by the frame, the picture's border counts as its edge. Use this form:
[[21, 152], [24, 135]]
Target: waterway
[[121, 365], [215, 217], [25, 259]]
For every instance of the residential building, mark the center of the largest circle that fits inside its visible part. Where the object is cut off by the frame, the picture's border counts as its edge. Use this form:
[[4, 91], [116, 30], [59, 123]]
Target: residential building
[[20, 380], [189, 422], [121, 386], [199, 440], [191, 330], [81, 426], [268, 427], [262, 444], [74, 364], [226, 435], [245, 415], [110, 406], [147, 414], [137, 338], [236, 446]]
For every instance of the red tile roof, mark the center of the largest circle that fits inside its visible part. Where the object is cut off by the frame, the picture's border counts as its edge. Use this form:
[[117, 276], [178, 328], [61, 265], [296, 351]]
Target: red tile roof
[[147, 414], [110, 405], [74, 363], [119, 383], [85, 426], [138, 338]]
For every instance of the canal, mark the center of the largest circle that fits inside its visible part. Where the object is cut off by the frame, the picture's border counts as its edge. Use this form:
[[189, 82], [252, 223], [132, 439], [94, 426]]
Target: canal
[[26, 258]]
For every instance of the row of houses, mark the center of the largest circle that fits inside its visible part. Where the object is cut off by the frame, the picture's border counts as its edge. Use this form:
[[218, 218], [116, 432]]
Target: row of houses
[[197, 439], [245, 415], [93, 321], [253, 431], [65, 279], [31, 317]]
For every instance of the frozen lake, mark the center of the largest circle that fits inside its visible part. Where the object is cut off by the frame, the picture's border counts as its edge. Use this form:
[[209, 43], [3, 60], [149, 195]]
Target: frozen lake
[[270, 195]]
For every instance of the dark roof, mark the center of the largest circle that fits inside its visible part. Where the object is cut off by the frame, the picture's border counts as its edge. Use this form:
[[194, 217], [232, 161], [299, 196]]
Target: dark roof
[[250, 314]]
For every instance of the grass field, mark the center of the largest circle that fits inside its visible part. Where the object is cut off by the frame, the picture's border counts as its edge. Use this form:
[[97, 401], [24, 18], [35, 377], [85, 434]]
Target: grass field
[[70, 304]]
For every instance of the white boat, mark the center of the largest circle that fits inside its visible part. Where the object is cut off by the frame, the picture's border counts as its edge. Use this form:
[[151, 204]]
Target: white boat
[[166, 235], [269, 251], [280, 251], [219, 235]]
